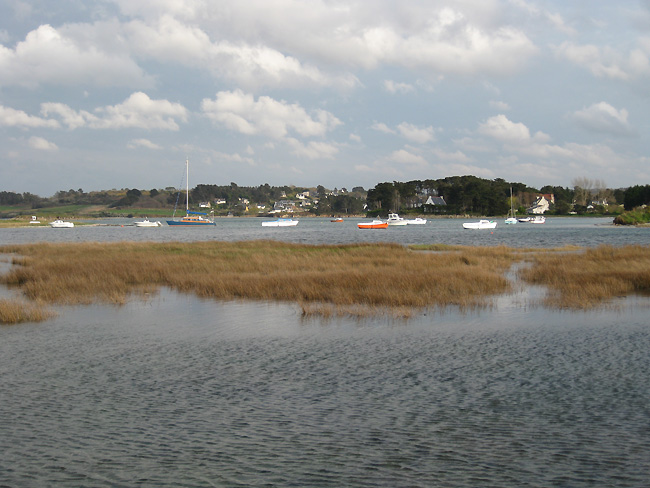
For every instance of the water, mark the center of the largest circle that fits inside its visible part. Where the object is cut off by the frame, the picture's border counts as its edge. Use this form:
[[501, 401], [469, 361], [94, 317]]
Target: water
[[178, 391], [555, 232]]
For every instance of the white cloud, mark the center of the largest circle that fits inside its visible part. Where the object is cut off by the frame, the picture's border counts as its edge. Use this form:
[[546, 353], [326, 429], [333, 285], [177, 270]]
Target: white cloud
[[50, 56], [499, 105], [313, 149], [402, 156], [240, 111], [41, 144], [501, 128], [416, 134], [146, 143], [394, 87], [381, 127], [10, 117], [603, 61], [137, 111], [602, 117]]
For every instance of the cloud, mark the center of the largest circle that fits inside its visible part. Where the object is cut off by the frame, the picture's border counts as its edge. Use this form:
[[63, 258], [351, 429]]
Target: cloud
[[416, 134], [381, 127], [240, 111], [502, 129], [137, 111], [402, 156], [51, 56], [499, 105], [313, 149], [402, 88], [10, 117], [146, 143], [607, 62], [603, 118], [41, 144]]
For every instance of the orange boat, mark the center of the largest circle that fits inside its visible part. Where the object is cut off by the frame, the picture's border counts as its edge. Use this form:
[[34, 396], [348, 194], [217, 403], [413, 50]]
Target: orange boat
[[375, 224], [339, 219]]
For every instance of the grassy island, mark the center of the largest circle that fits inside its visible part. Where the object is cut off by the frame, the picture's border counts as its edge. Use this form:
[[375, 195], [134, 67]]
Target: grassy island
[[359, 279]]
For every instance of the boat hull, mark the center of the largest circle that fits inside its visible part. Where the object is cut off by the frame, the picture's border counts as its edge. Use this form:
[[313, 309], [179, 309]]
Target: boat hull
[[197, 223], [59, 224], [483, 224], [280, 223], [373, 225]]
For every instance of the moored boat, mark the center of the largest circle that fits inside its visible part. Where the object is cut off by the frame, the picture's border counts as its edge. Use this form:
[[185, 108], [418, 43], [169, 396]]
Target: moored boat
[[147, 223], [60, 224], [417, 221], [375, 224], [394, 219], [280, 223], [339, 219], [481, 224], [191, 218], [539, 219]]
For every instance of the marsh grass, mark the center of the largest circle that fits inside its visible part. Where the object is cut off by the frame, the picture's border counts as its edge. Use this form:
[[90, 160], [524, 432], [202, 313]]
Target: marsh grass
[[17, 311], [356, 279], [325, 280], [590, 278]]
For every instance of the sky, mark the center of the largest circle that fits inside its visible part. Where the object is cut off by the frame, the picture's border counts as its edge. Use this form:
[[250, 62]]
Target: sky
[[112, 94]]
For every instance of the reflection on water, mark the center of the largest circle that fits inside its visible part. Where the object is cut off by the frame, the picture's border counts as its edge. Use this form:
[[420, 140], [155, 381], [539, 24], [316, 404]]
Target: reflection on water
[[178, 391]]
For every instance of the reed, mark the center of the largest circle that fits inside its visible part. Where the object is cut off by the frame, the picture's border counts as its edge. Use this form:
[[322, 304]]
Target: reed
[[344, 278], [590, 278], [17, 311]]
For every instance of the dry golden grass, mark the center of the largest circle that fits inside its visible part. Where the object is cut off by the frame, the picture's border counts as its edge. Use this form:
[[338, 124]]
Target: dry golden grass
[[347, 277], [592, 277], [360, 279], [17, 311]]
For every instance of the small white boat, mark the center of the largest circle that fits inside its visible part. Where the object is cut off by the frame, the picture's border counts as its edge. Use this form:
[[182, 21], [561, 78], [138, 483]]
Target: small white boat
[[481, 224], [147, 223], [394, 219], [417, 221], [280, 223], [60, 224], [34, 220], [511, 220], [524, 219], [539, 219]]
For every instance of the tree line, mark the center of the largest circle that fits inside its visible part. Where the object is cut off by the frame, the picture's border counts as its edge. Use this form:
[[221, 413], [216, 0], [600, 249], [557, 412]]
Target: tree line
[[462, 194]]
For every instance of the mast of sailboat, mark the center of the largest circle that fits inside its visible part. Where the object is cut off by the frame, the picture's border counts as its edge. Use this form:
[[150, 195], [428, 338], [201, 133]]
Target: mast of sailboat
[[187, 186]]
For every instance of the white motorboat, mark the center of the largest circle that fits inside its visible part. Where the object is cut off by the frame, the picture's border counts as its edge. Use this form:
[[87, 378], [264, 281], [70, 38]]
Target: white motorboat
[[147, 223], [481, 224], [539, 219], [417, 221], [524, 219], [394, 219], [60, 224], [280, 223]]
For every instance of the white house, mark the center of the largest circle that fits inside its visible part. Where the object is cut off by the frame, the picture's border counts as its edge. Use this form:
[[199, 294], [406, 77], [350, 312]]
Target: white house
[[541, 204]]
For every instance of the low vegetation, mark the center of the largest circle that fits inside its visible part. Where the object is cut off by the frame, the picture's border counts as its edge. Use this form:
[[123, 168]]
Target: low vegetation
[[360, 279], [592, 277], [637, 216], [17, 311]]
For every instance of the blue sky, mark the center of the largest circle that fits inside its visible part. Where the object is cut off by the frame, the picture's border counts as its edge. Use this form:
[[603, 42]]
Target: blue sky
[[102, 94]]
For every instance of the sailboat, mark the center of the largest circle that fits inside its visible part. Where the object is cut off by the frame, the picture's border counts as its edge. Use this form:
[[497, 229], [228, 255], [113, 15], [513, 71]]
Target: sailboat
[[191, 218], [511, 215]]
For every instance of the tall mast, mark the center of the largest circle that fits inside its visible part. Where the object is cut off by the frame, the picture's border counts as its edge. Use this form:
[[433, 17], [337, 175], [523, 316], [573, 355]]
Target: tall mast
[[187, 185]]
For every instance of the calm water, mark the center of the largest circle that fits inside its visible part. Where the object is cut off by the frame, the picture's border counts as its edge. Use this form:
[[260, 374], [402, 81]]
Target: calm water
[[555, 232], [177, 391]]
